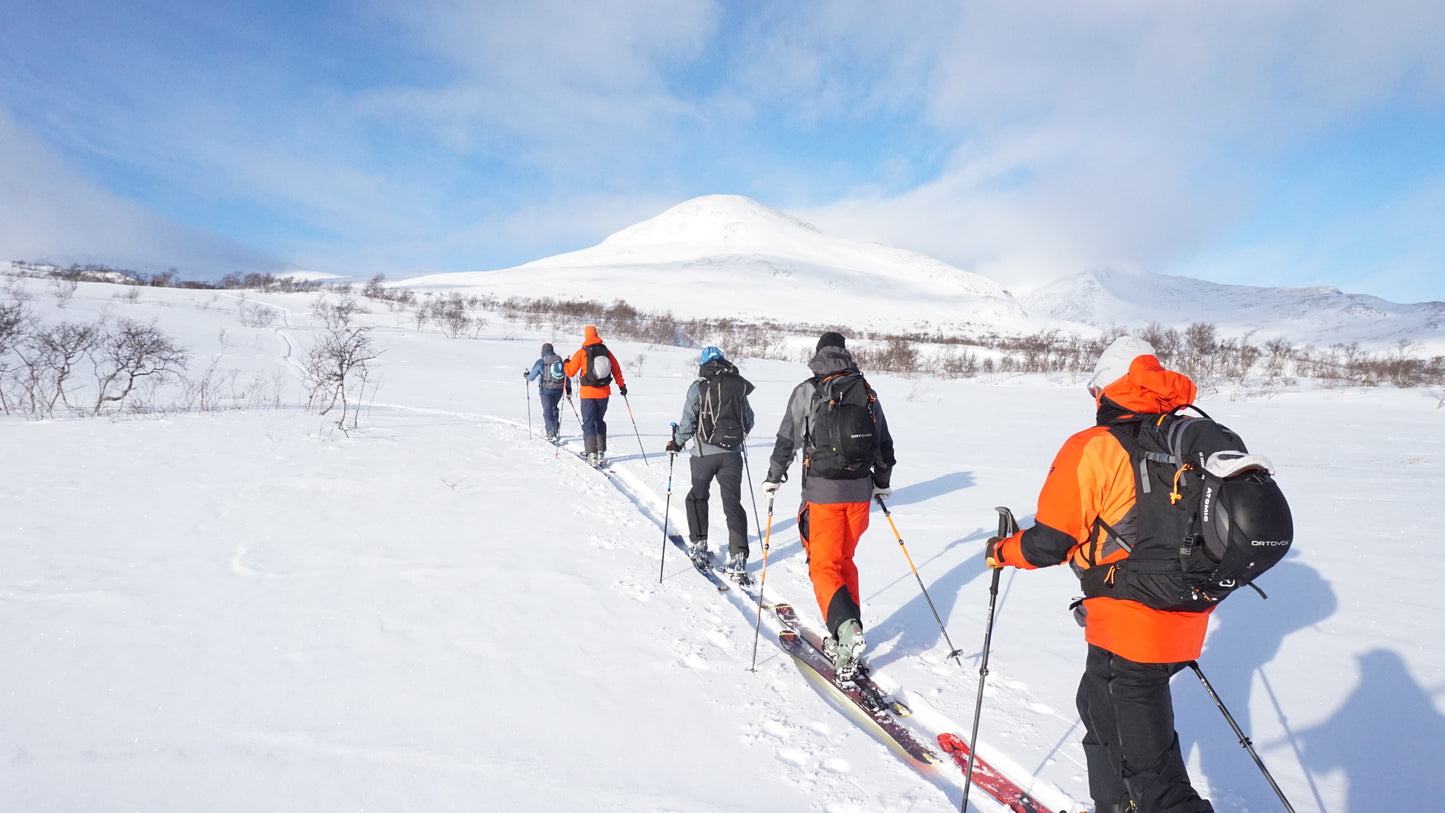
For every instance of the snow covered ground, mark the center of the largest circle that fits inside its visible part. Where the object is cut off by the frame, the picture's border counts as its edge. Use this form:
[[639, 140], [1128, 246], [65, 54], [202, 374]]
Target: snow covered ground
[[251, 610]]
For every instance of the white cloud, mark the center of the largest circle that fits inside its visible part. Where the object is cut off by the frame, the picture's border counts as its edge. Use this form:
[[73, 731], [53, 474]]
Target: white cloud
[[48, 212], [1135, 133]]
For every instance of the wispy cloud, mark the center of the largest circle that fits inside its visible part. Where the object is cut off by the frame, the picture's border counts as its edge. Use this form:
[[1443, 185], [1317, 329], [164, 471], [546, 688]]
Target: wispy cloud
[[1022, 140], [48, 213]]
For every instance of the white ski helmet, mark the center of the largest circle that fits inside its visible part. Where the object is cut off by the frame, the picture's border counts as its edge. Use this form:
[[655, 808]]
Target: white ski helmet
[[1114, 362]]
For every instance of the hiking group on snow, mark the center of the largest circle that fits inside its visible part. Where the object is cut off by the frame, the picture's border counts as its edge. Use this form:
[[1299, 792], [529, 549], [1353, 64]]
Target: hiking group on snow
[[1159, 514]]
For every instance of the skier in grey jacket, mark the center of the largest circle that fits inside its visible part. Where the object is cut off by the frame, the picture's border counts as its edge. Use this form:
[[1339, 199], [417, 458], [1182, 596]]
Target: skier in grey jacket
[[836, 501], [717, 417]]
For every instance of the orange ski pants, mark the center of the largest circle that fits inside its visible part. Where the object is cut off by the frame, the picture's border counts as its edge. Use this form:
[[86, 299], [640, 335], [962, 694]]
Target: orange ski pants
[[829, 533]]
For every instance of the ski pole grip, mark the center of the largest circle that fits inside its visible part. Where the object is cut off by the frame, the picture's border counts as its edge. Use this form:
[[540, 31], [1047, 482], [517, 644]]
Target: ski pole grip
[[1007, 525]]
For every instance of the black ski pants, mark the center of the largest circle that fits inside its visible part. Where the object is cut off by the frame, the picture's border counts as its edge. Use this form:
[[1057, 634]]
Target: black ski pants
[[727, 469], [1129, 738]]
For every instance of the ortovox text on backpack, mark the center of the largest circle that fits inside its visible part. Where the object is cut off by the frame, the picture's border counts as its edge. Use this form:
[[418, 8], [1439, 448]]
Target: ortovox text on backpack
[[597, 372], [843, 428], [1208, 518], [721, 411]]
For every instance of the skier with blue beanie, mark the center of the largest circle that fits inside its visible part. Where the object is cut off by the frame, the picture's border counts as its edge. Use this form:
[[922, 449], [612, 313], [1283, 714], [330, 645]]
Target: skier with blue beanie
[[716, 416], [551, 387]]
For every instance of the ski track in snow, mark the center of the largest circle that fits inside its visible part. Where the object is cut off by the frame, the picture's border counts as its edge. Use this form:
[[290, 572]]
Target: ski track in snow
[[809, 751]]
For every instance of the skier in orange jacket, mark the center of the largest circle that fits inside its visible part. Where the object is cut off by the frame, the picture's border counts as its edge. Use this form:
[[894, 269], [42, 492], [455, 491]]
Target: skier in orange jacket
[[1124, 701], [596, 368]]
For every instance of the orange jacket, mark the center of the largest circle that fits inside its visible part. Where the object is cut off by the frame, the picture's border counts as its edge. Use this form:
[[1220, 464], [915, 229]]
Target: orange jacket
[[1091, 479], [578, 362]]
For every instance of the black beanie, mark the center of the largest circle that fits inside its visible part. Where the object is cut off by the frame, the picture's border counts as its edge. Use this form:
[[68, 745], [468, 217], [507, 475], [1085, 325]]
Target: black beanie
[[547, 347], [829, 339]]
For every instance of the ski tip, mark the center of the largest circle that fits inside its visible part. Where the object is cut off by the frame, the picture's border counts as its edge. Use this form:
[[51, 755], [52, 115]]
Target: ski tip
[[951, 742]]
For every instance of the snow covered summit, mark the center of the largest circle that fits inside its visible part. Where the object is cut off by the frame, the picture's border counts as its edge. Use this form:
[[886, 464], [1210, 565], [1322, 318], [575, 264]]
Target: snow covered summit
[[1318, 315], [729, 256]]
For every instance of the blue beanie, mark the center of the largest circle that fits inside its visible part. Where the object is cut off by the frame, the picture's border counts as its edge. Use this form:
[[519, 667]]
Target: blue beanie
[[708, 354]]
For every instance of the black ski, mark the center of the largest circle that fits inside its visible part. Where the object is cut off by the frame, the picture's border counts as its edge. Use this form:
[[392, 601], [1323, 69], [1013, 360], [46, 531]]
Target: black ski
[[820, 669], [878, 700], [707, 571]]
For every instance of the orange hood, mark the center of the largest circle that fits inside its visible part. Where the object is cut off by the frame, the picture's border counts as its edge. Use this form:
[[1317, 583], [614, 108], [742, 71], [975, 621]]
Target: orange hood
[[589, 336], [1149, 388]]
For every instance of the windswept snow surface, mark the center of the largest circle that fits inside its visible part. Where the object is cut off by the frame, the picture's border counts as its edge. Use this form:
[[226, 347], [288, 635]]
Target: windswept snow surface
[[252, 610]]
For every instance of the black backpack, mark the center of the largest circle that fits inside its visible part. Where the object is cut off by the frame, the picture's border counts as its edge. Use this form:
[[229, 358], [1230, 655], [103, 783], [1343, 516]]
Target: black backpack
[[1209, 517], [597, 372], [552, 376], [721, 410], [843, 429]]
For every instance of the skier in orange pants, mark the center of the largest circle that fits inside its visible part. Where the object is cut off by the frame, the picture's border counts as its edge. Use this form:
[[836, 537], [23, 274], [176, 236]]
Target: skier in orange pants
[[836, 420]]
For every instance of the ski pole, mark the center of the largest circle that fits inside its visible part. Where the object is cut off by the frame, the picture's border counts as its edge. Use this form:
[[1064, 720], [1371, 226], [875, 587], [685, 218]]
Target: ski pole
[[1243, 740], [574, 412], [634, 430], [671, 458], [751, 495], [527, 385], [762, 583], [953, 652], [1007, 526]]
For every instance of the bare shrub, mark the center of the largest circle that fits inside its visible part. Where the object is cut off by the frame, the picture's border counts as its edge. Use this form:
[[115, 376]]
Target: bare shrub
[[64, 288], [128, 354], [335, 367], [254, 314], [450, 314], [205, 392], [15, 322], [48, 356]]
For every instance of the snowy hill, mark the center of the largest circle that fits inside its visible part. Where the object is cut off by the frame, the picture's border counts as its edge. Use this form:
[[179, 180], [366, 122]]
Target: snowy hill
[[250, 610], [725, 256], [1317, 315]]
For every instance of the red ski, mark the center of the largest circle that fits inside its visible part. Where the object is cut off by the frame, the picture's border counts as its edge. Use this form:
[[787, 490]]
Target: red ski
[[987, 777]]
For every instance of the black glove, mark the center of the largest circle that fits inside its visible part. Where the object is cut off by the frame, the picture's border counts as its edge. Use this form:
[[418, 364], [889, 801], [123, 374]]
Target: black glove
[[526, 373], [623, 389], [673, 447]]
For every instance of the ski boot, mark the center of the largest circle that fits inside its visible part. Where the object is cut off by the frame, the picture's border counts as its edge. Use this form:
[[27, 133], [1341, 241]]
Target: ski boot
[[848, 650], [699, 554], [737, 569]]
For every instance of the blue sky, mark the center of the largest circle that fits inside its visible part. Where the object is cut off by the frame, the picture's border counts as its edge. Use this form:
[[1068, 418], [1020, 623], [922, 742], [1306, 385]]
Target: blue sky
[[1273, 142]]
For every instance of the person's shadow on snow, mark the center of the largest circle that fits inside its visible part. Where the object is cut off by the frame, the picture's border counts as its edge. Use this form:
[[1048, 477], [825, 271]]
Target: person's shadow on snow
[[1385, 738], [912, 628], [1246, 637], [939, 486]]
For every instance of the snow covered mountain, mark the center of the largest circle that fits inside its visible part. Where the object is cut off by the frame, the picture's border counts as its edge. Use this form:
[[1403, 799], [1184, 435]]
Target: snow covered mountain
[[729, 256], [1316, 315], [722, 256]]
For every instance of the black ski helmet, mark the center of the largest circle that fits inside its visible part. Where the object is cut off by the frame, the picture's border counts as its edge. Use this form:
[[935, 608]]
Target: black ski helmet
[[1246, 523]]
